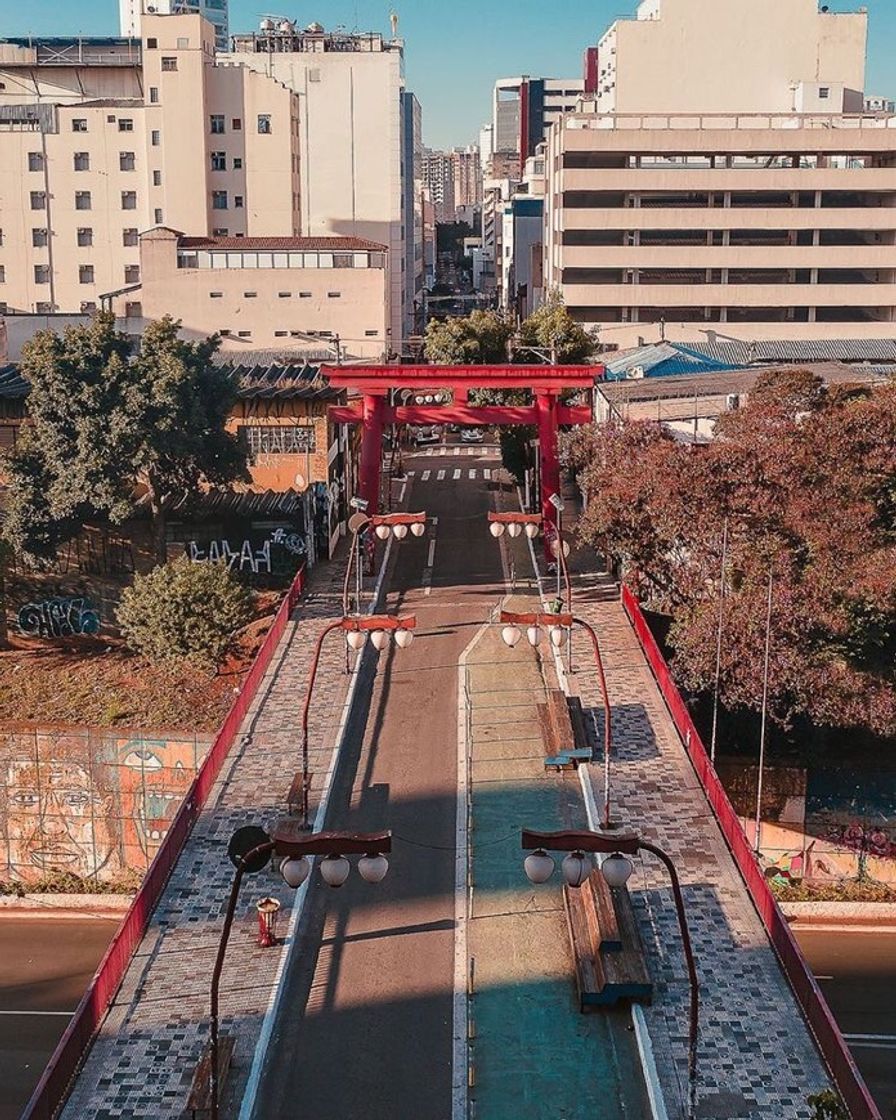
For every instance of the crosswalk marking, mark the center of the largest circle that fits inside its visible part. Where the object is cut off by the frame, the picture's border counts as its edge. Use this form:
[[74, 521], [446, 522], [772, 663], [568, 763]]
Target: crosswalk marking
[[456, 475], [486, 473], [472, 474], [440, 476], [410, 474], [425, 476]]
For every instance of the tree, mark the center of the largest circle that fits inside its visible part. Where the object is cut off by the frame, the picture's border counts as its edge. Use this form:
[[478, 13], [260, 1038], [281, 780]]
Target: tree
[[183, 609], [552, 330], [478, 339], [804, 479], [105, 425]]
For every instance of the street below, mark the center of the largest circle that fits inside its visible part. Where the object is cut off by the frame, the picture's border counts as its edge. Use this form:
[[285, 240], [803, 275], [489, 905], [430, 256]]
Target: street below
[[45, 966]]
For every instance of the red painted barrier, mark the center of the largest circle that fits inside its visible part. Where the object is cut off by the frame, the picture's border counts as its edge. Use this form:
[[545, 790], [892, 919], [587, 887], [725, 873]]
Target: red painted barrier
[[65, 1060], [834, 1050]]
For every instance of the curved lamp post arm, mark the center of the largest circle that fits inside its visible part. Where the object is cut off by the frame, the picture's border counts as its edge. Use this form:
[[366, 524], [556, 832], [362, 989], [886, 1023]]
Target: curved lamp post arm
[[312, 676], [261, 850], [608, 713], [693, 1018]]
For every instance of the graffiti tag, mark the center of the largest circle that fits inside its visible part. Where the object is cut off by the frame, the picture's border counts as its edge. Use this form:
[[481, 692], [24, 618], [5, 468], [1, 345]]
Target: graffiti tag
[[241, 559], [292, 542], [58, 618]]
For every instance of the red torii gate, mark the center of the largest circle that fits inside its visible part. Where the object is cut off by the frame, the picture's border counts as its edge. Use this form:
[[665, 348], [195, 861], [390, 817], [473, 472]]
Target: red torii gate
[[373, 411]]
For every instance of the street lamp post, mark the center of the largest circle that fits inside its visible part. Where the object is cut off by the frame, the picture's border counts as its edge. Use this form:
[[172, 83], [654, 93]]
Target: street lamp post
[[250, 850], [535, 625], [380, 628], [617, 869]]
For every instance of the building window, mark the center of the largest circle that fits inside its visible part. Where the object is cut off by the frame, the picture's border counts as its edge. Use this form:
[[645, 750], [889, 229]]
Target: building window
[[169, 63], [244, 334], [250, 295], [2, 273], [83, 200], [238, 201], [157, 216], [237, 163], [41, 274], [219, 161], [157, 178], [125, 124], [38, 200], [236, 124], [39, 238], [87, 307], [183, 43], [216, 121], [281, 334], [277, 439], [79, 125], [44, 307], [126, 161], [129, 237], [371, 334], [220, 231], [284, 295], [133, 309], [264, 124], [824, 92], [153, 95], [132, 274], [85, 237], [304, 295], [152, 44], [85, 274], [155, 138], [35, 161], [215, 295], [82, 161], [334, 295], [129, 200], [219, 200]]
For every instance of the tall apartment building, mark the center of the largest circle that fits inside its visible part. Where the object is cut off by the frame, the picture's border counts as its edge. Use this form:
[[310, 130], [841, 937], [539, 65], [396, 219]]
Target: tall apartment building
[[414, 218], [524, 108], [744, 195], [438, 176], [131, 14], [161, 134], [353, 175], [467, 168]]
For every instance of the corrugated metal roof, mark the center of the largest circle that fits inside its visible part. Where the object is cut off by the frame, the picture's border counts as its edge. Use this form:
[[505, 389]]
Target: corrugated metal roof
[[304, 382], [811, 350], [12, 385], [661, 359], [242, 503], [296, 244]]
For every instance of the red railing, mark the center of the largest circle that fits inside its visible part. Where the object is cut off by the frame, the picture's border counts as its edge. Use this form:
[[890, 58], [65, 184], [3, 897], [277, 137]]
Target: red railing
[[818, 1015], [65, 1060]]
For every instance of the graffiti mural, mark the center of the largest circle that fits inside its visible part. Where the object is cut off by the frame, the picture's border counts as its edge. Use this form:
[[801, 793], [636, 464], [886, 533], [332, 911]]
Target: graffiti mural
[[245, 558], [58, 618], [93, 803]]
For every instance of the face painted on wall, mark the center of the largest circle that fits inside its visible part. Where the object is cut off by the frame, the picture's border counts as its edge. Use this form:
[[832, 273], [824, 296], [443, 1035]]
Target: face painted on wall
[[56, 820]]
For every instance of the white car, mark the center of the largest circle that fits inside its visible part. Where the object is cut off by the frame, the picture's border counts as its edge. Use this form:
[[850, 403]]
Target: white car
[[426, 435], [471, 435]]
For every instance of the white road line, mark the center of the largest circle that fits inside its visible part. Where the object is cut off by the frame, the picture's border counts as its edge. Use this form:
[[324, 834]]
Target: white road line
[[432, 553], [472, 473], [440, 476], [425, 476], [456, 475], [410, 474], [486, 473]]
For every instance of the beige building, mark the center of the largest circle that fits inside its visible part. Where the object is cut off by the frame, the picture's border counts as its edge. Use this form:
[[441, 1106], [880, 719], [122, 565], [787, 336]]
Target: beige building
[[164, 134], [324, 294], [707, 201]]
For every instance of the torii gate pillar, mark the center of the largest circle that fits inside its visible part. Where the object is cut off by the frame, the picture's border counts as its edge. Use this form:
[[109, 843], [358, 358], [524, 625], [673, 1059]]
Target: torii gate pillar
[[546, 409], [372, 406]]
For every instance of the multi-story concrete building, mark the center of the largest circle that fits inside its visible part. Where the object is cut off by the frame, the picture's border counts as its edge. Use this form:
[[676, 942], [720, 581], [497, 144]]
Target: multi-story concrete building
[[467, 168], [131, 13], [524, 108], [438, 175], [270, 293], [352, 137], [161, 134], [414, 202], [706, 201]]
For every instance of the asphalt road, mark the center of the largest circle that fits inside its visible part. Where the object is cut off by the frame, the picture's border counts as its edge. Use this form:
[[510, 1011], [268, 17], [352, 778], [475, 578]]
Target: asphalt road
[[375, 1040], [857, 972], [45, 966]]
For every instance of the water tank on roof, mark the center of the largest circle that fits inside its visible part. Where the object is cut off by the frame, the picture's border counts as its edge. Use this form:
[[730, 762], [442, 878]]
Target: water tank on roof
[[636, 373], [732, 402], [267, 25], [315, 28], [285, 25]]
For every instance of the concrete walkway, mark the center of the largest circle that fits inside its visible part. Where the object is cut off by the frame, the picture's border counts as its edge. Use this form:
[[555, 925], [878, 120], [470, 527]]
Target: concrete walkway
[[142, 1062]]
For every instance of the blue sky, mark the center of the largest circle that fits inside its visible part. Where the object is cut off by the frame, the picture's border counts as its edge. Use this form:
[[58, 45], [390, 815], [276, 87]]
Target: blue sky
[[455, 48]]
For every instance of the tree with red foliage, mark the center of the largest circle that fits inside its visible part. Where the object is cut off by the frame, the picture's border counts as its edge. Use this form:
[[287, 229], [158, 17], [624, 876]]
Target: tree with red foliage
[[805, 478]]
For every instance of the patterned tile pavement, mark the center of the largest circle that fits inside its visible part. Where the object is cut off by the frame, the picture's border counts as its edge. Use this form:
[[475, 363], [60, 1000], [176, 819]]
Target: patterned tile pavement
[[142, 1062], [757, 1060]]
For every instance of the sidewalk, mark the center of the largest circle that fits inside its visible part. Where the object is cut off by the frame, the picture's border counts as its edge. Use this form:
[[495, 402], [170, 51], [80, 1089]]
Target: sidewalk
[[142, 1062], [533, 1054], [757, 1059]]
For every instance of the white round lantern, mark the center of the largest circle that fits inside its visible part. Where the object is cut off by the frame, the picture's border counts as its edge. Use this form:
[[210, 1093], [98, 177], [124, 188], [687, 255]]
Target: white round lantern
[[539, 866], [576, 868], [334, 870], [373, 868], [295, 871]]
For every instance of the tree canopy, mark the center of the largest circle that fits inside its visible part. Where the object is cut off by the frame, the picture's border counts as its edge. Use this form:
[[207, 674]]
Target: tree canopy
[[105, 425], [479, 338], [804, 478], [552, 330]]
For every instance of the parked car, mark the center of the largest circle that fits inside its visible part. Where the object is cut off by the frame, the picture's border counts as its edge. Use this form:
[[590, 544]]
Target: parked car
[[426, 435], [472, 435]]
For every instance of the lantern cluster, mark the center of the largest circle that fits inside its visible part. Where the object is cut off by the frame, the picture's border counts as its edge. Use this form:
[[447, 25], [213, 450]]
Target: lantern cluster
[[334, 869], [576, 868], [379, 639]]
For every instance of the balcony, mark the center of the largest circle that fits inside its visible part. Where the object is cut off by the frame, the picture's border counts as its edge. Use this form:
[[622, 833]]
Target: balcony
[[873, 257], [671, 296], [683, 179]]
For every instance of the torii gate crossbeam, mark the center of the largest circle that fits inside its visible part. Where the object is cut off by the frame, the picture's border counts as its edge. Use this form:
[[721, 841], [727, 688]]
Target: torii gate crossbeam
[[374, 411]]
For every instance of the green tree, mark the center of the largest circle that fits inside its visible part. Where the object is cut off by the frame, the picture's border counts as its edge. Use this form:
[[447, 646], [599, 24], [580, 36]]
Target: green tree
[[478, 339], [183, 609], [106, 425], [551, 331]]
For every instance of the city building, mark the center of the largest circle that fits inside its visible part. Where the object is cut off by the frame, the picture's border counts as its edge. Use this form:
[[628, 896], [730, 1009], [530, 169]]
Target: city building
[[875, 104], [438, 175], [414, 188], [703, 201], [353, 120], [162, 134], [524, 108], [215, 11], [467, 168], [268, 293]]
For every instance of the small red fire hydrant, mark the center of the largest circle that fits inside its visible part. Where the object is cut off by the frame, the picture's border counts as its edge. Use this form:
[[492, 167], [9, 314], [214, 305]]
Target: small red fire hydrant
[[267, 921]]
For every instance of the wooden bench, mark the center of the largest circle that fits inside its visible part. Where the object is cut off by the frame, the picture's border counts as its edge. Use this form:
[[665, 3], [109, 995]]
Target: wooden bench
[[562, 731], [199, 1103], [606, 945]]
